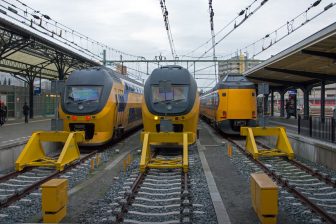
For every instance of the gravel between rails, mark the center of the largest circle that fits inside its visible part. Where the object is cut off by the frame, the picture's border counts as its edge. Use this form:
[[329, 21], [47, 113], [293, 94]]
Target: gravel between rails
[[287, 202], [202, 210], [28, 209]]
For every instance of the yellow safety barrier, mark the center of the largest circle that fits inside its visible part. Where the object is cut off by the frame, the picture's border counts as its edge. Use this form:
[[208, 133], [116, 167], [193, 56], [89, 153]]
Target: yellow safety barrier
[[264, 195], [282, 148], [229, 149], [153, 138], [34, 155], [54, 200]]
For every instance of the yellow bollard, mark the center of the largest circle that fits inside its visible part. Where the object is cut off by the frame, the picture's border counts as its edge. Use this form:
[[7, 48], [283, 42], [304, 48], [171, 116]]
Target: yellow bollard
[[98, 159], [229, 150], [54, 200], [92, 164], [129, 158]]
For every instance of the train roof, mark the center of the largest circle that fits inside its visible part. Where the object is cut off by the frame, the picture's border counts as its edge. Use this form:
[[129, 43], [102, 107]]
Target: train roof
[[93, 73], [174, 73], [232, 81]]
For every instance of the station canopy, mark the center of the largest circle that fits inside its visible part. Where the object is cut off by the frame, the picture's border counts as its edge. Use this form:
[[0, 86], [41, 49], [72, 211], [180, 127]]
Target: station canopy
[[306, 63], [24, 53]]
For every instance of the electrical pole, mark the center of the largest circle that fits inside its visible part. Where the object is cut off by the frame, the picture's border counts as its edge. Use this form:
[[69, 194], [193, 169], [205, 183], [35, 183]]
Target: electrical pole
[[213, 36]]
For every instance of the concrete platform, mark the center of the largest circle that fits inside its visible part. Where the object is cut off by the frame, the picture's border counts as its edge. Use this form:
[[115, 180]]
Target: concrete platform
[[234, 189], [18, 131], [13, 136], [291, 124]]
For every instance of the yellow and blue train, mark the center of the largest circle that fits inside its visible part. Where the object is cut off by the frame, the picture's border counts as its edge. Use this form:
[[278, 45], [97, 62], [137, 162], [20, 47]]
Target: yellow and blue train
[[230, 104], [101, 102], [171, 101]]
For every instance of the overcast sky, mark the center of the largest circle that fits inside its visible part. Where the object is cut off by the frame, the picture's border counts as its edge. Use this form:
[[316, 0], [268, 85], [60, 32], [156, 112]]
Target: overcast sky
[[137, 27]]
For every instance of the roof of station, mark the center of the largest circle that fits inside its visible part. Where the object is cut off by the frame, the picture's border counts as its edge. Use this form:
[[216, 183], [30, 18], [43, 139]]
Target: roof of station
[[23, 50], [305, 63]]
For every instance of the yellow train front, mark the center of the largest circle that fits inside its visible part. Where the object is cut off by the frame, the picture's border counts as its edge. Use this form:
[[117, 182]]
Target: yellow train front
[[231, 104], [171, 101], [102, 103]]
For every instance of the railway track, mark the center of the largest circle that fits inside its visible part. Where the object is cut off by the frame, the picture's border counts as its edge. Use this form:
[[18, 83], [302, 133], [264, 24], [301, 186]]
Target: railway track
[[313, 189], [16, 185], [155, 196]]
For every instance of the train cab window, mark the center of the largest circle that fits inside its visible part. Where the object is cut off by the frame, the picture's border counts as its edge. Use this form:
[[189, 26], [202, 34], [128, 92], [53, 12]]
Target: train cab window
[[169, 93], [78, 94]]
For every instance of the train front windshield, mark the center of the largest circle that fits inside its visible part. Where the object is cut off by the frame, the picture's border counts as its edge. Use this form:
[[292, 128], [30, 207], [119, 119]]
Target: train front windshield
[[80, 94], [173, 93]]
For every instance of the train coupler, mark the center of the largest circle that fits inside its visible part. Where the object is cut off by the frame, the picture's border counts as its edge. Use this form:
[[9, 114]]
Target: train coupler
[[282, 148], [183, 139], [33, 153]]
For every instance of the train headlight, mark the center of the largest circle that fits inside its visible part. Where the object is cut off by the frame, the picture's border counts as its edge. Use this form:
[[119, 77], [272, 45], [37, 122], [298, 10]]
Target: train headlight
[[74, 118], [156, 118], [87, 118]]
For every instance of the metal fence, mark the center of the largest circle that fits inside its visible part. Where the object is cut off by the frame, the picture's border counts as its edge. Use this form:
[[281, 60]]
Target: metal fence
[[317, 128]]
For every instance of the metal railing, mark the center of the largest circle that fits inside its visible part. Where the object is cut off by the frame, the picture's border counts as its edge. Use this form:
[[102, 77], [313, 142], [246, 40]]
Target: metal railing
[[317, 128]]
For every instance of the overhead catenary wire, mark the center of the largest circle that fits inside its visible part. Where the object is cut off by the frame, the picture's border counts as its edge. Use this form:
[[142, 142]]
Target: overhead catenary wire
[[241, 12], [247, 16], [272, 38], [288, 28], [57, 32], [60, 33], [167, 27]]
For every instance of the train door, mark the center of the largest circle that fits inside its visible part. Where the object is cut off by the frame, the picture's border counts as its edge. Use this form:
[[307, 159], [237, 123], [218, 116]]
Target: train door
[[215, 104], [120, 108]]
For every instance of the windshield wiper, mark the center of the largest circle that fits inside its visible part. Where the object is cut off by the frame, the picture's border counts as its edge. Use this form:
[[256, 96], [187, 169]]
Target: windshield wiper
[[84, 100], [168, 101], [177, 100], [161, 101]]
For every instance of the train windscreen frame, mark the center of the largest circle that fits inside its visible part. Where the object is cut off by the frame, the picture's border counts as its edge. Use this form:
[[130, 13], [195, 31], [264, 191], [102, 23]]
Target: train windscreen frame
[[173, 93], [79, 94]]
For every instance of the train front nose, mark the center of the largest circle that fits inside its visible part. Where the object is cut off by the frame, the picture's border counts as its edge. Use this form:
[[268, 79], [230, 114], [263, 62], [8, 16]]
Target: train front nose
[[168, 99]]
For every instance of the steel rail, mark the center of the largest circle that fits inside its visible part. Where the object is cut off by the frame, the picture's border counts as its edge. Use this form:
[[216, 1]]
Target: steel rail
[[29, 189], [14, 174], [37, 184], [313, 172], [290, 188]]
